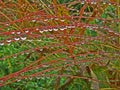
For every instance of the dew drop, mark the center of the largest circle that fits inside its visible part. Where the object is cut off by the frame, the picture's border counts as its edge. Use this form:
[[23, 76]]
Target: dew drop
[[112, 21], [77, 11], [95, 3], [18, 80], [14, 57], [72, 26], [55, 29], [30, 78], [29, 40], [62, 29], [110, 31], [16, 39], [38, 77], [27, 53], [45, 66], [67, 26], [56, 19], [51, 47], [91, 28], [46, 30], [12, 32], [7, 24], [22, 54], [51, 18], [82, 43], [33, 20], [85, 13], [1, 43], [92, 2], [82, 2], [109, 4], [23, 38], [62, 20], [18, 32], [104, 2], [49, 29], [32, 51], [45, 20], [117, 34], [41, 49], [26, 31], [9, 41], [37, 29], [41, 31]]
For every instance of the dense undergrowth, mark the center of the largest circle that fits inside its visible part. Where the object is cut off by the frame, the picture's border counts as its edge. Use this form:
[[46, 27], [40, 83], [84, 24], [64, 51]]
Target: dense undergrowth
[[59, 45]]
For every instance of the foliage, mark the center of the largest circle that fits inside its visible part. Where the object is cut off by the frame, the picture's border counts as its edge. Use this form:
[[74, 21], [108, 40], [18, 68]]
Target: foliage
[[59, 44]]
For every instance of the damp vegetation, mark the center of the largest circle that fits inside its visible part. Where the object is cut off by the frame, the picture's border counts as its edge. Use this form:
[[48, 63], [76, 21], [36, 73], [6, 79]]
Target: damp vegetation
[[59, 45]]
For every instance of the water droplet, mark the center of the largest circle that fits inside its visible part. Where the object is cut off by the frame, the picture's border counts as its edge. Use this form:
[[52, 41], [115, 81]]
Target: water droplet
[[18, 32], [30, 40], [77, 10], [46, 30], [27, 52], [92, 2], [70, 27], [82, 2], [62, 29], [91, 28], [1, 43], [22, 54], [9, 41], [56, 19], [82, 43], [51, 18], [12, 32], [23, 38], [32, 51], [45, 66], [104, 2], [41, 31], [16, 39], [85, 13], [45, 20], [38, 77], [62, 20], [117, 34], [51, 47], [33, 20], [30, 78], [14, 57], [41, 49], [109, 3], [18, 80], [26, 31], [55, 29], [95, 3], [7, 24], [112, 21], [37, 29], [49, 29]]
